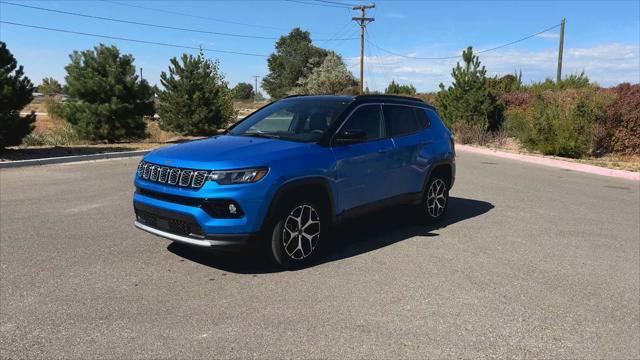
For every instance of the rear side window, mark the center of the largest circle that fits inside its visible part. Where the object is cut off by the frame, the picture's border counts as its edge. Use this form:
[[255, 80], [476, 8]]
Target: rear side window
[[433, 116], [368, 119], [400, 119], [423, 119]]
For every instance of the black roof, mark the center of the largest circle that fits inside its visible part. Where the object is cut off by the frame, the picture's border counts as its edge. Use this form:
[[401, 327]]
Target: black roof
[[369, 97]]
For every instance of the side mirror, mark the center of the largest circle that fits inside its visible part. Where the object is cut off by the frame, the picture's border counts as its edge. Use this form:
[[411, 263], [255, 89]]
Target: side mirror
[[350, 136]]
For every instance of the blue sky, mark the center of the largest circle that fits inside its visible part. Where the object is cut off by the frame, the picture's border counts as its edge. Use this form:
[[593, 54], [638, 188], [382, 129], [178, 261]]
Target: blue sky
[[601, 38]]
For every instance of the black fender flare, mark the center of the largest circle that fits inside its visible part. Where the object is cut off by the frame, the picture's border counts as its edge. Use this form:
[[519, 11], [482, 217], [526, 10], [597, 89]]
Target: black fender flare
[[279, 197]]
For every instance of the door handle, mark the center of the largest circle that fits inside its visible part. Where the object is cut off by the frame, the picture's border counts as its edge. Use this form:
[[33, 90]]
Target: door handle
[[384, 150], [426, 142]]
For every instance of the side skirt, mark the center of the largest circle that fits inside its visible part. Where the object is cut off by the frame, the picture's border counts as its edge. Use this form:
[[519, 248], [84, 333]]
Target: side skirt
[[409, 198]]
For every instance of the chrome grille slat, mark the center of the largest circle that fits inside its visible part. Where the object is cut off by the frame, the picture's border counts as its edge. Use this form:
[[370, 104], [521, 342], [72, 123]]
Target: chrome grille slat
[[172, 176], [185, 178], [198, 178], [147, 171], [154, 173], [162, 177]]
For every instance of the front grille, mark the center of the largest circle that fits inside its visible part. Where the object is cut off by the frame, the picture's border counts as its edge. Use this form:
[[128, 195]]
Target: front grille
[[170, 225], [172, 176]]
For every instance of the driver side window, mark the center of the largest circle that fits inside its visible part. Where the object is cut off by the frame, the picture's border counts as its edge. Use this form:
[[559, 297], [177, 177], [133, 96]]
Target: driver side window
[[369, 119]]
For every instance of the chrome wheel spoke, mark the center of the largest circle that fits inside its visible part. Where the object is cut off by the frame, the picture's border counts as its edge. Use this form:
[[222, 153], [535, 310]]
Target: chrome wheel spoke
[[436, 198], [303, 224]]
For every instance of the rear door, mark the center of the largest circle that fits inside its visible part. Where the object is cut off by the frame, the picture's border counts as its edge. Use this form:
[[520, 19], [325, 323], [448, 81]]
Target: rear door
[[405, 127], [363, 168]]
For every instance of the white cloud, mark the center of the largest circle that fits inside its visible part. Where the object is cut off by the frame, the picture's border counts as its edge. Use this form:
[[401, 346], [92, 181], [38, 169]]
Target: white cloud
[[607, 64]]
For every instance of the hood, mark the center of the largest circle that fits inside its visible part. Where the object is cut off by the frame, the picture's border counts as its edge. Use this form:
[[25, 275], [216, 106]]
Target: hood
[[224, 152]]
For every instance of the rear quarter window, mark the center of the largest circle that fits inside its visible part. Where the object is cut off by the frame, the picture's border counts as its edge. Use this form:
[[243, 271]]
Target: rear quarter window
[[401, 120]]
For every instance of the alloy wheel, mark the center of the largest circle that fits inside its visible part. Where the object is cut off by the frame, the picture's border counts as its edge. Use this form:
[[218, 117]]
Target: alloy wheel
[[301, 232], [436, 198]]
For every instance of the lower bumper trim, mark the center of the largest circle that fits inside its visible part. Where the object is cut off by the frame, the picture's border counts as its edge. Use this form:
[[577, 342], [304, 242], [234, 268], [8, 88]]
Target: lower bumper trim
[[223, 241]]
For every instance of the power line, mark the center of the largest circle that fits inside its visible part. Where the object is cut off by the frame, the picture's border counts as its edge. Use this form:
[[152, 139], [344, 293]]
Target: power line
[[196, 16], [150, 25], [336, 3], [458, 56], [133, 40], [344, 6]]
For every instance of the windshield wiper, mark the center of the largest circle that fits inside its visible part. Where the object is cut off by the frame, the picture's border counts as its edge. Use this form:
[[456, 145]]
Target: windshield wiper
[[261, 134]]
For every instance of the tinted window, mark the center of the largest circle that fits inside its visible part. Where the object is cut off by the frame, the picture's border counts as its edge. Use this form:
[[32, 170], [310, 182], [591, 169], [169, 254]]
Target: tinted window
[[297, 119], [368, 119], [421, 114], [401, 119], [433, 116]]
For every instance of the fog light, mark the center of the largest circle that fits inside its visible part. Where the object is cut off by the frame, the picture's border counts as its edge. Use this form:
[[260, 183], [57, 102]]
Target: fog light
[[233, 209]]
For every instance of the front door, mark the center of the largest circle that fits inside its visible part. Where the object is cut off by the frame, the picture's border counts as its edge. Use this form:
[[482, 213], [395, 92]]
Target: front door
[[363, 168]]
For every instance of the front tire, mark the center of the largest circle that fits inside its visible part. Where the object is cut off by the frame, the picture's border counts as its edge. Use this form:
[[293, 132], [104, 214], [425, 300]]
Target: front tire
[[296, 234]]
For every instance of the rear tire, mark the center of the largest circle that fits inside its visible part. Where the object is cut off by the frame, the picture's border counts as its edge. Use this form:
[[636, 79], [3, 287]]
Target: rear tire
[[296, 234], [435, 199]]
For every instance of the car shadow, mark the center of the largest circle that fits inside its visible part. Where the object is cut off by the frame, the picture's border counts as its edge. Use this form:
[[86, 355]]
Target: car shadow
[[353, 238]]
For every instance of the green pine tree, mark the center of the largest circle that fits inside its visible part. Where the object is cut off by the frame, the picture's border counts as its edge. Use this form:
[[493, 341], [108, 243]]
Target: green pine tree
[[468, 99], [397, 89], [50, 87], [196, 99], [16, 91], [108, 100]]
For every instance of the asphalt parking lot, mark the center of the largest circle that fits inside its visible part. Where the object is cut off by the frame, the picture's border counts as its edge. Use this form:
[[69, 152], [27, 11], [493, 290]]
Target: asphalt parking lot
[[531, 261]]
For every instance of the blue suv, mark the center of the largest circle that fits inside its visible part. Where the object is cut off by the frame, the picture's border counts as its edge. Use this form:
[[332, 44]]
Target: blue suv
[[288, 173]]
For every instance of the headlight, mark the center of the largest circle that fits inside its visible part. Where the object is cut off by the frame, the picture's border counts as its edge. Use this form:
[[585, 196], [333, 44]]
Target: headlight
[[242, 176]]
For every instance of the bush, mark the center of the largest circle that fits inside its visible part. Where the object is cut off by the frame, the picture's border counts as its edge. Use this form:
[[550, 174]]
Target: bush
[[196, 99], [622, 120], [16, 92], [60, 136], [572, 81], [108, 100], [470, 134], [563, 123]]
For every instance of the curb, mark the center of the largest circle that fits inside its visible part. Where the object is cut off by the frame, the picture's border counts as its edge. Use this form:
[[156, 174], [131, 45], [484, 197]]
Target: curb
[[71, 159], [547, 161]]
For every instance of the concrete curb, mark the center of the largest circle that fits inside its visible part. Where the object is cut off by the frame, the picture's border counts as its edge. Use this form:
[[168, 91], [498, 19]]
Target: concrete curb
[[548, 161], [71, 159]]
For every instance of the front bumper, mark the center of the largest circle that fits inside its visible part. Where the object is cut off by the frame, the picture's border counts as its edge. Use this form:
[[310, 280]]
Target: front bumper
[[185, 228], [222, 242]]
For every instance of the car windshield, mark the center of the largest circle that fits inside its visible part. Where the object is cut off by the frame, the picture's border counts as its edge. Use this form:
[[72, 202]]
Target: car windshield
[[296, 119]]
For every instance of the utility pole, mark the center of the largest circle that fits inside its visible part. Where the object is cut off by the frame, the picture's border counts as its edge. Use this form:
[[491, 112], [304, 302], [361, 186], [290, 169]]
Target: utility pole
[[560, 49], [141, 74], [363, 21], [255, 89]]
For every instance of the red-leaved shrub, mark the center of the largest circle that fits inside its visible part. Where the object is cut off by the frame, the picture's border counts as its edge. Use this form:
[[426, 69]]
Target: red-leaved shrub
[[622, 120]]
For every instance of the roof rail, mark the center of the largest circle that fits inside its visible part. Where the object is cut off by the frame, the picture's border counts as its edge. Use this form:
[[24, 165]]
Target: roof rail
[[390, 96]]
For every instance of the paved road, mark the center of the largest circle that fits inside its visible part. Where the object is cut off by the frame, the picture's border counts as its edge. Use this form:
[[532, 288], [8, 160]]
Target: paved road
[[531, 262]]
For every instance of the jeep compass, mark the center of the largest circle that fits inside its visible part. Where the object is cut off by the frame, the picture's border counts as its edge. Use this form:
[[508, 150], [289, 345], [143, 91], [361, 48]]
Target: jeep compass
[[285, 175]]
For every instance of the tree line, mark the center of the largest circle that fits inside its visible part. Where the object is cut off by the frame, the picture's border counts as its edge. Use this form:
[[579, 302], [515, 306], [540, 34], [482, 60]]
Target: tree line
[[107, 100]]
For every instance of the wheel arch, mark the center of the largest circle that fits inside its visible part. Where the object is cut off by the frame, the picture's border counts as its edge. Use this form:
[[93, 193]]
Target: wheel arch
[[444, 168], [317, 186]]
